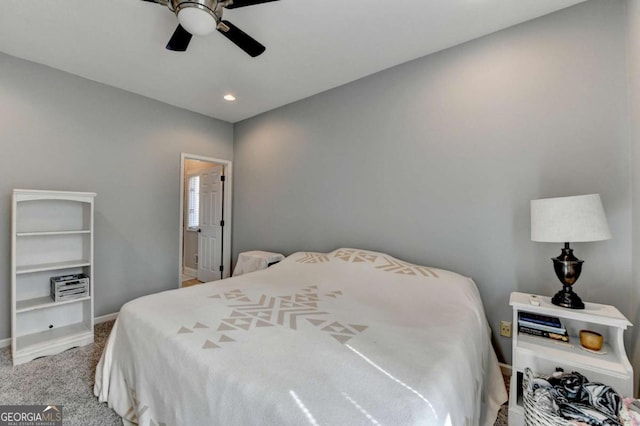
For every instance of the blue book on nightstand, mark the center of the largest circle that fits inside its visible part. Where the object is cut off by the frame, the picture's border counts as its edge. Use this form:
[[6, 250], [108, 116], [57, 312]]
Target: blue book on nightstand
[[540, 319]]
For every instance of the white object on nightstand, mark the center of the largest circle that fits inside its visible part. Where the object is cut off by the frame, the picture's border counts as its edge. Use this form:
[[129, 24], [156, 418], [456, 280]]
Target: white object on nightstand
[[51, 235], [256, 260], [543, 355]]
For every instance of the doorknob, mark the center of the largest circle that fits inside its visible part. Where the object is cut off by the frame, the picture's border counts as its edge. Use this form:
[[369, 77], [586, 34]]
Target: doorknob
[[199, 230]]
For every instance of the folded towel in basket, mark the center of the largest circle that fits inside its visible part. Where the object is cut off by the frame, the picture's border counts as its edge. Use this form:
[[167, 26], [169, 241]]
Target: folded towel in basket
[[572, 396], [630, 412]]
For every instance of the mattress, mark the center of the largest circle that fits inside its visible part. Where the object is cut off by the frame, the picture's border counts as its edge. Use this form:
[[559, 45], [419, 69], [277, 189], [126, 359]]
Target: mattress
[[348, 337]]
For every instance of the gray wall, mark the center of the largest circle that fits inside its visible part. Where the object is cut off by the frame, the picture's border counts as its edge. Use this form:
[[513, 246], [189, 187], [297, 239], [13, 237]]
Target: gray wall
[[633, 37], [62, 132], [435, 161]]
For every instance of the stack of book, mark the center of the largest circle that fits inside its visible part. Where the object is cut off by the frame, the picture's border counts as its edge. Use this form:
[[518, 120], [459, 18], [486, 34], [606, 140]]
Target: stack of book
[[542, 326]]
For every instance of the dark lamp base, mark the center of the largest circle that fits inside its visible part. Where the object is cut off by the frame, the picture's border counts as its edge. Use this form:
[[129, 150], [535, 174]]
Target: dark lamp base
[[567, 299]]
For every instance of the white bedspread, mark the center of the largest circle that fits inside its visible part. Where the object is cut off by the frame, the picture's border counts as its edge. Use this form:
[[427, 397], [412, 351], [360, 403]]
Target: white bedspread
[[343, 338]]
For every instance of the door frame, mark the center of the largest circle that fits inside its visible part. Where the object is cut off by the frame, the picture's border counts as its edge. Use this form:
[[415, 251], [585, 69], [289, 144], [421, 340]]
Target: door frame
[[226, 216]]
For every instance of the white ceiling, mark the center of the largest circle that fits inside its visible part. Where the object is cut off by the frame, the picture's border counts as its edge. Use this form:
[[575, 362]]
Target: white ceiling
[[312, 45]]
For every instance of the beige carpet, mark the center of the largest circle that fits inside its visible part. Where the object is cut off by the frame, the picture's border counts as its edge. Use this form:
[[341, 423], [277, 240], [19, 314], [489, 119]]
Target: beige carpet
[[64, 379], [503, 414], [67, 379]]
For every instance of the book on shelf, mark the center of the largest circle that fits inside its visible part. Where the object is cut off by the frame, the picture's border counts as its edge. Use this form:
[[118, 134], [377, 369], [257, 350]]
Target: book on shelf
[[563, 337], [540, 319], [542, 327]]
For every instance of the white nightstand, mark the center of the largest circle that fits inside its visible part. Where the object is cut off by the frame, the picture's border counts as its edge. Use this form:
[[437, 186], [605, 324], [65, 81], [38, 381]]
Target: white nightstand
[[543, 355], [256, 260]]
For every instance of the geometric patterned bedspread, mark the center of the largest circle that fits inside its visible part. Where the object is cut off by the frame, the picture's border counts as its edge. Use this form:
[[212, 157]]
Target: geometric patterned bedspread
[[348, 337]]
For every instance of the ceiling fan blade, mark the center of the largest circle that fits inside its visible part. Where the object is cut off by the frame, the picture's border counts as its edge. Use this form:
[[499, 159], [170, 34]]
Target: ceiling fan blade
[[179, 40], [242, 3], [162, 2], [241, 39]]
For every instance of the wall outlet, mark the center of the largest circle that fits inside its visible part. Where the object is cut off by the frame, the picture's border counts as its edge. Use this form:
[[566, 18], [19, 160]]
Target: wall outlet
[[505, 328]]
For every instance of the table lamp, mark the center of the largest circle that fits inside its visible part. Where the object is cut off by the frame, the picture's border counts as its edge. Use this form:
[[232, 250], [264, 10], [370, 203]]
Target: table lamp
[[568, 220]]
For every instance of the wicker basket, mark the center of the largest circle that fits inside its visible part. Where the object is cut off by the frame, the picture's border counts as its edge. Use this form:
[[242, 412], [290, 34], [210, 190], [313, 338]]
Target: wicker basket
[[532, 415]]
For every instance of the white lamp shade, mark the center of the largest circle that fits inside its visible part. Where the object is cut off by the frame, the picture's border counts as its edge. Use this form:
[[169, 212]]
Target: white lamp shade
[[197, 21], [569, 219]]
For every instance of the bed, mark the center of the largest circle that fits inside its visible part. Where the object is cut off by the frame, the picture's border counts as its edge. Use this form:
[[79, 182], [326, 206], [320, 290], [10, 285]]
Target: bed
[[348, 337]]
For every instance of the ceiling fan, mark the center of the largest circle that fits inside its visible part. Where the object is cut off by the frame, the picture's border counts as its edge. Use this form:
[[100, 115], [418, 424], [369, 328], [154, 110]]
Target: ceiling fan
[[202, 17]]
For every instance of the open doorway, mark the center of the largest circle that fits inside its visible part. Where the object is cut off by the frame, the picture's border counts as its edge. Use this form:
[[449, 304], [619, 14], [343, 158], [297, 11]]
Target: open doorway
[[205, 219]]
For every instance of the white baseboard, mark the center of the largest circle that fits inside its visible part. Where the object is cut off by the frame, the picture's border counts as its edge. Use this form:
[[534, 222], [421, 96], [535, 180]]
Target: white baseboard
[[97, 320], [191, 272], [105, 318], [505, 369]]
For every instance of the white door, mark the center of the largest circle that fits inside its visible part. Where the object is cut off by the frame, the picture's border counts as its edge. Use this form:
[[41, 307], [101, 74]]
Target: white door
[[210, 230]]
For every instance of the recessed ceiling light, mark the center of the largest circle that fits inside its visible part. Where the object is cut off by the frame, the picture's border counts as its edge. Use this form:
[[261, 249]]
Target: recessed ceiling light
[[229, 97]]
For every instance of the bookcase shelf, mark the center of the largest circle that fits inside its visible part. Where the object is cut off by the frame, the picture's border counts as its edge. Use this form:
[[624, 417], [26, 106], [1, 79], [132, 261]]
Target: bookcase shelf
[[40, 267], [51, 234], [43, 338], [43, 302], [51, 341], [611, 366]]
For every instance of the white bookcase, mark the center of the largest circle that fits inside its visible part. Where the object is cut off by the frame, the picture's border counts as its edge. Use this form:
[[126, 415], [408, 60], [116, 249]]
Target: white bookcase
[[543, 355], [51, 235]]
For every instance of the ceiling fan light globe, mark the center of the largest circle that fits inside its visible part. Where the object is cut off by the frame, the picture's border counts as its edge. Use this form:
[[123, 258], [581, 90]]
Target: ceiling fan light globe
[[197, 21]]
